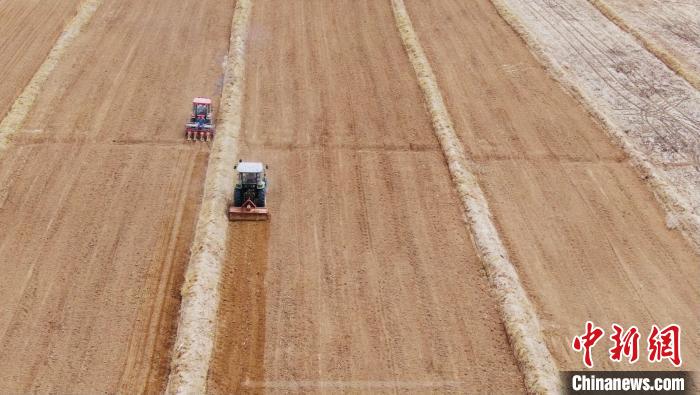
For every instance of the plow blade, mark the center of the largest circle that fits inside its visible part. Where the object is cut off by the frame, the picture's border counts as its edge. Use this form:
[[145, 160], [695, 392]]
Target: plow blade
[[247, 214]]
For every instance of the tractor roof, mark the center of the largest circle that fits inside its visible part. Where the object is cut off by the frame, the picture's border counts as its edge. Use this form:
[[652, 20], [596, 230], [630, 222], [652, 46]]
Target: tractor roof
[[201, 100], [250, 167]]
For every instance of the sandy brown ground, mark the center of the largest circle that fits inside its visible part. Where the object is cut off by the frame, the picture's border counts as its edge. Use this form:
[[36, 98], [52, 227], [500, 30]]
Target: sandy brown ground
[[653, 110], [99, 194], [585, 232], [366, 280], [28, 30]]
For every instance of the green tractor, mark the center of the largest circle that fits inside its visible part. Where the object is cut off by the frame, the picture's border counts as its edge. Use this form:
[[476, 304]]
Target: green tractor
[[249, 195]]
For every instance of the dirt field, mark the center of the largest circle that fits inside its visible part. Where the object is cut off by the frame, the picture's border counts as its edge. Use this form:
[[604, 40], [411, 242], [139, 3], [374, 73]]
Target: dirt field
[[27, 32], [669, 29], [649, 109], [100, 195], [366, 279], [585, 231]]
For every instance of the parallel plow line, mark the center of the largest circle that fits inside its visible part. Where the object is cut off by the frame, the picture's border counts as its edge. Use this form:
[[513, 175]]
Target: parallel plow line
[[194, 343], [663, 55], [14, 118], [518, 314], [621, 101]]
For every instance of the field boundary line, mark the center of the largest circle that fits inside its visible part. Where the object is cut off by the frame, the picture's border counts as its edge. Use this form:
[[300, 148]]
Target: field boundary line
[[194, 343], [668, 59], [518, 314], [679, 204], [17, 114]]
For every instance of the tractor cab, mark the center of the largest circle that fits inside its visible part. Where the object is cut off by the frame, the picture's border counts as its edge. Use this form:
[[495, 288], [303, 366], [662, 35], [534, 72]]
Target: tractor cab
[[249, 193], [200, 127], [201, 108]]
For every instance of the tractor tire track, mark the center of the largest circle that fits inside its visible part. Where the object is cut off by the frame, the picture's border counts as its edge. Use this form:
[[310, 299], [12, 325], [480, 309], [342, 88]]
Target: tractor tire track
[[28, 31], [519, 317], [648, 110], [101, 201], [371, 284], [671, 32], [194, 343], [585, 233], [14, 118]]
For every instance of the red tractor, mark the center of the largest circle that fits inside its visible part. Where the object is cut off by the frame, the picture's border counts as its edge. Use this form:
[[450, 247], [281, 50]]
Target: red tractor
[[200, 127]]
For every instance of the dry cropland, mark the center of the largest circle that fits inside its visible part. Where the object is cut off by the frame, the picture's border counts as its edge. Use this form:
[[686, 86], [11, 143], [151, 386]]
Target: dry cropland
[[455, 187]]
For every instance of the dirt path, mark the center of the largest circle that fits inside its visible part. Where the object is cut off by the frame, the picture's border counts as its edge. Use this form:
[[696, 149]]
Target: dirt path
[[101, 195], [28, 29], [586, 233], [371, 282]]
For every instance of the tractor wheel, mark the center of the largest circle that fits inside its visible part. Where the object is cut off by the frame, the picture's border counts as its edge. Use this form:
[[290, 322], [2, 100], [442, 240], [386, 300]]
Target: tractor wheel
[[237, 198], [260, 201]]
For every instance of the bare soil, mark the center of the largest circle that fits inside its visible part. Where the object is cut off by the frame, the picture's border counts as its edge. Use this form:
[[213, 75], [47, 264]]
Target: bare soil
[[585, 232], [671, 30], [100, 194], [372, 283], [365, 279], [27, 32]]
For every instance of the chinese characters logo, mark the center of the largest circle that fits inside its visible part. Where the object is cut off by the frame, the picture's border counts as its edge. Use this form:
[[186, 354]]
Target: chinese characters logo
[[662, 343]]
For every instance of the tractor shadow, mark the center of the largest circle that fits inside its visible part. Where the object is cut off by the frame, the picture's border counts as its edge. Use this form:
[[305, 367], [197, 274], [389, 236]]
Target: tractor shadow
[[239, 345]]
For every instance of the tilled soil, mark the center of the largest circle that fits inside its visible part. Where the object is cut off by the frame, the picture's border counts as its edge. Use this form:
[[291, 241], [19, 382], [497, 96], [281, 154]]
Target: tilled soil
[[584, 230], [27, 32], [365, 279], [100, 194], [371, 282]]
